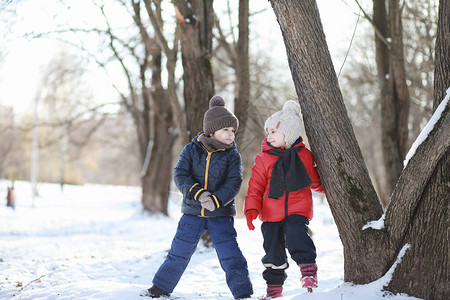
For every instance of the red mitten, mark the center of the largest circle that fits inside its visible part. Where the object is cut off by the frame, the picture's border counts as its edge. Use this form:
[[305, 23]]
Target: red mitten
[[251, 215]]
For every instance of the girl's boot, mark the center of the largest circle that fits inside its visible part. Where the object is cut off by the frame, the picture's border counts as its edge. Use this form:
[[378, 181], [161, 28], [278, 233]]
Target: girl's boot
[[274, 291], [309, 276]]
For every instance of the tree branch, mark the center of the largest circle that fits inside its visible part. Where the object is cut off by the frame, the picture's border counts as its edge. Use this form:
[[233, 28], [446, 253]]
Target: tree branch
[[415, 176], [377, 31], [224, 43]]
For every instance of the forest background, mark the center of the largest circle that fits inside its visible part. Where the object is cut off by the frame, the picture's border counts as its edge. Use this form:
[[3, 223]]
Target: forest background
[[60, 57], [363, 106]]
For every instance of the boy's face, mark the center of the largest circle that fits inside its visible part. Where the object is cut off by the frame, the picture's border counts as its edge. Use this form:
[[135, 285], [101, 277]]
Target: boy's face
[[275, 138], [225, 135]]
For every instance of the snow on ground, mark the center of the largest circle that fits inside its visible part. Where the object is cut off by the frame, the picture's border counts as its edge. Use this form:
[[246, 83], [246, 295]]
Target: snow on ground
[[95, 242]]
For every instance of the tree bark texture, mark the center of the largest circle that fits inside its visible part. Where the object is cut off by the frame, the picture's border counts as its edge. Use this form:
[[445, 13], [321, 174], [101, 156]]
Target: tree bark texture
[[442, 57], [424, 269], [418, 215], [153, 118], [171, 56], [196, 21], [393, 90], [397, 77], [423, 215], [418, 211], [382, 61], [158, 176], [242, 100], [349, 191]]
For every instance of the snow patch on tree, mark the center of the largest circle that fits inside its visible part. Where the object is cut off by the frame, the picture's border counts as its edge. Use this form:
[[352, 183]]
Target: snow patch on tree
[[428, 128], [388, 276], [379, 224]]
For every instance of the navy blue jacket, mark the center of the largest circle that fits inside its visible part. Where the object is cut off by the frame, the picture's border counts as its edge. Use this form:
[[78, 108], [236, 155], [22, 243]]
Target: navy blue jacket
[[218, 172]]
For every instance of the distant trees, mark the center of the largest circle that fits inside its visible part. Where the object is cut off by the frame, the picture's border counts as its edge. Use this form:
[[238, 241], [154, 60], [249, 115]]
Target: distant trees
[[416, 219], [148, 102], [8, 142], [146, 48], [370, 58], [175, 56], [394, 97]]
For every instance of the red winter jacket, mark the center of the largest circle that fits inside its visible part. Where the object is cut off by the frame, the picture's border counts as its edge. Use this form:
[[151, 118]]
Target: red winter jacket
[[275, 210]]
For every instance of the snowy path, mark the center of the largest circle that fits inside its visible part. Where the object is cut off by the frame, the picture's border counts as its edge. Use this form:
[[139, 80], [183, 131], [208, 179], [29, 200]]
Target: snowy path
[[94, 242]]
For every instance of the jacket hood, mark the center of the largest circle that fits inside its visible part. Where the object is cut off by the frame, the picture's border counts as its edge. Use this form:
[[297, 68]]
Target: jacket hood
[[266, 147]]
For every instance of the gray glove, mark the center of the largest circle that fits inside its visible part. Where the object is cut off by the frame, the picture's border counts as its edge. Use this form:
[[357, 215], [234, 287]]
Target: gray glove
[[206, 201]]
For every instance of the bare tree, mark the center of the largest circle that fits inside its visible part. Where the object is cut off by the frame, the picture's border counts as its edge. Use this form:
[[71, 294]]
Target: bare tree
[[196, 19], [67, 116], [392, 81], [242, 101], [238, 58], [416, 219], [9, 138], [362, 73], [149, 104], [135, 49]]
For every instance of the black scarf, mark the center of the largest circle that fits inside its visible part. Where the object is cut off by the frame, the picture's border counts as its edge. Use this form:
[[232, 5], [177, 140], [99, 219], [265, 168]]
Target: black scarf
[[288, 173]]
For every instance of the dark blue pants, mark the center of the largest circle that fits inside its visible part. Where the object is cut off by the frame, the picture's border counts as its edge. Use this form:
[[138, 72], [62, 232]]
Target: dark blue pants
[[291, 233], [223, 235]]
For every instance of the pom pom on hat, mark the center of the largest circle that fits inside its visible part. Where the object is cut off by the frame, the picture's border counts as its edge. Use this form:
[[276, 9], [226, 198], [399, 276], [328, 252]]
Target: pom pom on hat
[[218, 116], [287, 121], [216, 101], [292, 105]]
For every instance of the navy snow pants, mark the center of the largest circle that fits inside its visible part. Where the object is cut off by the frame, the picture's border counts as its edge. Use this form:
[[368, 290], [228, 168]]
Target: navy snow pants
[[291, 233], [223, 235]]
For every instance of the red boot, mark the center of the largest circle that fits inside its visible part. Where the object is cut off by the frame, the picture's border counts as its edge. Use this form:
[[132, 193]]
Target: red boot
[[274, 291], [309, 276]]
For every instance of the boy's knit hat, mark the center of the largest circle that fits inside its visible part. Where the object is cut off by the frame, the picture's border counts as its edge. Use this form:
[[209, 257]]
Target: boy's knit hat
[[218, 116], [287, 121]]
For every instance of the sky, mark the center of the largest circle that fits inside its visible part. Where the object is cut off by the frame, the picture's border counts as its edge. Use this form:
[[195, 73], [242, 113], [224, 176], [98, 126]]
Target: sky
[[95, 242], [20, 70]]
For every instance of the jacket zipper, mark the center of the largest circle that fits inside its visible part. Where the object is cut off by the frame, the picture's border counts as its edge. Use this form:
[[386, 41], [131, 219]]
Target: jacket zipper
[[208, 161]]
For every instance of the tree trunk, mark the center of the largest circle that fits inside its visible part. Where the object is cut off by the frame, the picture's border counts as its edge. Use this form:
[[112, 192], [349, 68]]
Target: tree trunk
[[442, 57], [159, 169], [154, 121], [242, 101], [418, 212], [424, 270], [196, 22], [395, 97], [171, 57], [388, 121], [349, 191]]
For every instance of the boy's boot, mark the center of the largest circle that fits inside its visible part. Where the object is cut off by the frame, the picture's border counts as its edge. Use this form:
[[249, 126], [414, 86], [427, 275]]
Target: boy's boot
[[246, 296], [309, 276], [156, 292], [274, 291]]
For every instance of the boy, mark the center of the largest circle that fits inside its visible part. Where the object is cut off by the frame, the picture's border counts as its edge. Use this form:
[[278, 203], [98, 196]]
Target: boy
[[280, 194], [209, 175]]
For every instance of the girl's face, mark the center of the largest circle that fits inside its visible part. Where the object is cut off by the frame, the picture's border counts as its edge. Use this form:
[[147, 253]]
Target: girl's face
[[275, 138], [225, 135]]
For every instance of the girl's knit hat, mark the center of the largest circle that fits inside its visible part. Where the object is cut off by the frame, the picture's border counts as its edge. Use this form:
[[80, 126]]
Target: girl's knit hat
[[287, 121], [218, 117]]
